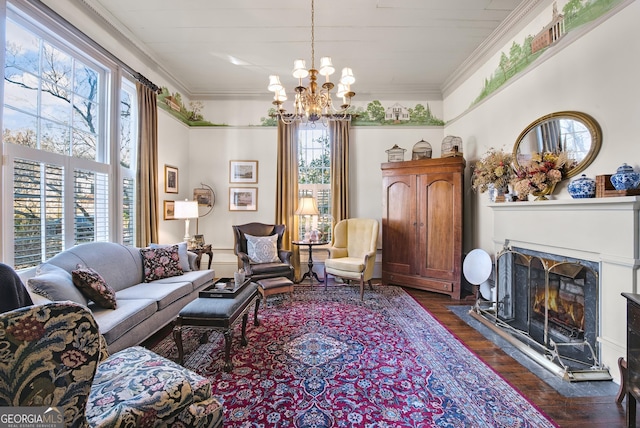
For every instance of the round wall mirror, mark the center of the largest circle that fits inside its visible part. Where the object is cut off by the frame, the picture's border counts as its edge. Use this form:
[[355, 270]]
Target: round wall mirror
[[574, 133]]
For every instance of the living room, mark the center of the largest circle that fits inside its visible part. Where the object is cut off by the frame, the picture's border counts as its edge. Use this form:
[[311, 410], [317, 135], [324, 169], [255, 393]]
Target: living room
[[592, 70]]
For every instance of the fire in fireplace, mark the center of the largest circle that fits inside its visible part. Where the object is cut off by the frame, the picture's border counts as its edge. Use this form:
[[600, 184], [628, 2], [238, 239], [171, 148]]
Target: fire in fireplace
[[562, 303], [547, 306]]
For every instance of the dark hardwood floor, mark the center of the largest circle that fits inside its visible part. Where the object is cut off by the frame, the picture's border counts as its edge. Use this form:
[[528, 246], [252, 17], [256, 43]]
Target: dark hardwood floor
[[566, 412]]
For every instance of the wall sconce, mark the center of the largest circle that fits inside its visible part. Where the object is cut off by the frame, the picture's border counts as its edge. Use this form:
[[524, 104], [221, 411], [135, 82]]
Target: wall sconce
[[186, 210]]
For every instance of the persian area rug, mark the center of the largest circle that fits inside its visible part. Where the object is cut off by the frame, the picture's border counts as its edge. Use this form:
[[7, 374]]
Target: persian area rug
[[328, 359]]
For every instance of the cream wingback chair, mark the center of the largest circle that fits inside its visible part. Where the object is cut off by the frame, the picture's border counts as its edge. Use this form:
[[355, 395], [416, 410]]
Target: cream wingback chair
[[352, 254]]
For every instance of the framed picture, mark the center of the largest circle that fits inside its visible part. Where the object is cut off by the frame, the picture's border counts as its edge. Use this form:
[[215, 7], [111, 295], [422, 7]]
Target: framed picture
[[243, 199], [198, 240], [170, 179], [243, 171], [169, 210], [203, 196]]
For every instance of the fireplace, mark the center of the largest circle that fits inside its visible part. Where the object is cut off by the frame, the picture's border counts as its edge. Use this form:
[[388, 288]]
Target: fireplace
[[547, 305], [603, 232]]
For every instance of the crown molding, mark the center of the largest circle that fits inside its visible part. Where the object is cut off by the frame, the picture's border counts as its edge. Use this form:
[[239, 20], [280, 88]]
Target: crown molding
[[108, 23], [424, 94], [496, 41]]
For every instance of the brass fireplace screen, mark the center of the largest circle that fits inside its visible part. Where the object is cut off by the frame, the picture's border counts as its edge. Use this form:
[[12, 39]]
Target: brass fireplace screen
[[547, 306]]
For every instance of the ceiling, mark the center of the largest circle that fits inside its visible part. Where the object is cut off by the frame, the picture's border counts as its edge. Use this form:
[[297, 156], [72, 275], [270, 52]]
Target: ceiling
[[405, 49]]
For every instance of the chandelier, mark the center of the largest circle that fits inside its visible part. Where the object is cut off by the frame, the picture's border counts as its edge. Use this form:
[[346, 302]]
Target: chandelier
[[312, 103]]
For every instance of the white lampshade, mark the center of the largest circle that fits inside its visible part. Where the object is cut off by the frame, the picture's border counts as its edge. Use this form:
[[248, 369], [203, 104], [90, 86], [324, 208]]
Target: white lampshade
[[274, 83], [307, 206], [342, 90], [326, 67], [300, 69], [186, 209], [280, 95], [347, 76]]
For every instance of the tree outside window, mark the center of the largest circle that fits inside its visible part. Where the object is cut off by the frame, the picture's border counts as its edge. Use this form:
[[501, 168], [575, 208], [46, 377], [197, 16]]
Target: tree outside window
[[314, 175]]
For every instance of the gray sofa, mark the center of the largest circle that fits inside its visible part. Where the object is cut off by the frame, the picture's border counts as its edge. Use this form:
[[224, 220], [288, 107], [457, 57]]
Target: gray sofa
[[142, 308]]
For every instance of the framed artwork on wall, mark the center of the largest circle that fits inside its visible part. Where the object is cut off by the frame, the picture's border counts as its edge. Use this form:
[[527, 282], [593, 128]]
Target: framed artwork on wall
[[170, 179], [243, 171], [169, 210], [203, 196], [243, 199]]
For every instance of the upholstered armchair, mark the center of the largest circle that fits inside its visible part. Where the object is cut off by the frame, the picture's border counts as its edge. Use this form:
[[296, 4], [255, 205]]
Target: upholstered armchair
[[259, 250], [352, 254], [54, 356]]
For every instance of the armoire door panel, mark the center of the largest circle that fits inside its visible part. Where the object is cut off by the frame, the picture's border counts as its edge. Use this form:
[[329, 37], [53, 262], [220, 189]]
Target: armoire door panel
[[437, 224], [399, 224]]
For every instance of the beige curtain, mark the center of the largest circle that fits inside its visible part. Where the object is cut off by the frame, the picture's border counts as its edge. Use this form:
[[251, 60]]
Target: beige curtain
[[287, 187], [147, 189], [339, 137]]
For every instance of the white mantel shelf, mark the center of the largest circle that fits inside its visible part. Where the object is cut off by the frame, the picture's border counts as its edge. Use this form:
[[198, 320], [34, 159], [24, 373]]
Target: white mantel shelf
[[631, 202], [602, 230]]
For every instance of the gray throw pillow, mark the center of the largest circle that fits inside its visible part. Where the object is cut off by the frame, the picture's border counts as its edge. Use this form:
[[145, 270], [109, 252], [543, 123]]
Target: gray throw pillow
[[182, 252], [55, 283], [262, 249]]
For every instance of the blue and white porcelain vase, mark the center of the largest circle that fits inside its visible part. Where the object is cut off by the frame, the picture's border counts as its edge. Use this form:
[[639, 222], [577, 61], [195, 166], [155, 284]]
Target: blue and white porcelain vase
[[583, 187], [625, 178]]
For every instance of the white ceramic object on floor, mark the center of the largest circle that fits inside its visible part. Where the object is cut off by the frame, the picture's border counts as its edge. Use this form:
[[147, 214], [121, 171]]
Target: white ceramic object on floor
[[477, 268]]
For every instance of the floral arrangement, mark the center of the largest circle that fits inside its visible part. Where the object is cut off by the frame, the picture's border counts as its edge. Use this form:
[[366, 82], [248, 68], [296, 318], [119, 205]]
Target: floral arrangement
[[539, 175], [493, 168]]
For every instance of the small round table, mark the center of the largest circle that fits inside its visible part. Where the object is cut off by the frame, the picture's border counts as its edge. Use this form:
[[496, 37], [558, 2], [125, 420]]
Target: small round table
[[310, 273]]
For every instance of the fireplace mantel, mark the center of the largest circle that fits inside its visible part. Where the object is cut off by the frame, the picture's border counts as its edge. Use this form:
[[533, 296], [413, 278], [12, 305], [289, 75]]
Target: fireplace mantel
[[602, 230]]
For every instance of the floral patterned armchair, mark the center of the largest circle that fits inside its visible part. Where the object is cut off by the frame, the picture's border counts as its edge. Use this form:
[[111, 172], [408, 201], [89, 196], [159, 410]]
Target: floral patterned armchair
[[53, 355]]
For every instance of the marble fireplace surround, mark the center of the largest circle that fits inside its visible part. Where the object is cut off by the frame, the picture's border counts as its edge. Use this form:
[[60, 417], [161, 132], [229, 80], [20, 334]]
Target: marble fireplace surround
[[601, 230]]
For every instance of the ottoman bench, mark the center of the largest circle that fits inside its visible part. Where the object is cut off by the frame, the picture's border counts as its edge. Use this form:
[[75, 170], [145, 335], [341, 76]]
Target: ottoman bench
[[270, 286], [219, 314]]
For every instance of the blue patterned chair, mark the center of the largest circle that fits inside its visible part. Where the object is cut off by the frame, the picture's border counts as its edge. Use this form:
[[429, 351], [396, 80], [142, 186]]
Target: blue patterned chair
[[53, 355]]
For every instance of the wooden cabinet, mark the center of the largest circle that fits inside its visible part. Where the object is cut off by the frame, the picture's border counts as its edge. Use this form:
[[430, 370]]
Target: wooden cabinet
[[632, 375], [422, 224]]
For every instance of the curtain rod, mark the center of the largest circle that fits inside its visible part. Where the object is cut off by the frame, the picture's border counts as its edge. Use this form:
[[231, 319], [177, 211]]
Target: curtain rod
[[77, 32]]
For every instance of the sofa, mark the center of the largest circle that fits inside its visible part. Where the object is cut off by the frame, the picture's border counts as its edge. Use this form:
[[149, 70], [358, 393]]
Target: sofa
[[142, 308]]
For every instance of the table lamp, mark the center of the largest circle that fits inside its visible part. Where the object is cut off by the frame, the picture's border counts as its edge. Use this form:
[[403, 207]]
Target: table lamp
[[307, 207], [186, 210]]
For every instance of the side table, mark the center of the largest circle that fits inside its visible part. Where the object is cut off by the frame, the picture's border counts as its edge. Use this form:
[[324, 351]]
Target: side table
[[199, 251], [309, 273]]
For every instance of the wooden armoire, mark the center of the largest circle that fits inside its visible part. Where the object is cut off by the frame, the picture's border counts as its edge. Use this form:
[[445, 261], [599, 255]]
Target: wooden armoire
[[422, 224]]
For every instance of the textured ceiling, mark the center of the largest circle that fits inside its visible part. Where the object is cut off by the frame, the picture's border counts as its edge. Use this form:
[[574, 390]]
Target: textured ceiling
[[407, 49]]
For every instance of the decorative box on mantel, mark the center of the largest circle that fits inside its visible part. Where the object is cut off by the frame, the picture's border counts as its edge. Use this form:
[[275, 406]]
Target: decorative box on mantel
[[601, 230]]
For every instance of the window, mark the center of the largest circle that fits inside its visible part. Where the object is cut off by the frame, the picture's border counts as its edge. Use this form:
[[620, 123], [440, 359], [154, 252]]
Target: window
[[314, 175], [65, 158], [128, 160]]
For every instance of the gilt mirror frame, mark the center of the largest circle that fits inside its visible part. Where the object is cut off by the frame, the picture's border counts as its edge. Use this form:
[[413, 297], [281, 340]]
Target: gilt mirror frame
[[588, 122]]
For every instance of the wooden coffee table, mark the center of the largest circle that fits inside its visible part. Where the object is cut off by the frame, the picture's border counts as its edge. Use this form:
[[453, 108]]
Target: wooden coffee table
[[218, 314]]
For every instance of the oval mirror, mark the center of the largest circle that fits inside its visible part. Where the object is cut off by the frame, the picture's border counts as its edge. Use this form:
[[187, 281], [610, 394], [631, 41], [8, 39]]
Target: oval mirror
[[574, 133]]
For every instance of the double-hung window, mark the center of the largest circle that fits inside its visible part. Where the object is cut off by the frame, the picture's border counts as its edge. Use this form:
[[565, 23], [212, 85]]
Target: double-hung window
[[314, 175], [69, 132]]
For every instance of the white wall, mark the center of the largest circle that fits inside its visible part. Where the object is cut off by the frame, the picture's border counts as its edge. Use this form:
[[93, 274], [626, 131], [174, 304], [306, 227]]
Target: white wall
[[596, 74], [173, 150], [210, 149]]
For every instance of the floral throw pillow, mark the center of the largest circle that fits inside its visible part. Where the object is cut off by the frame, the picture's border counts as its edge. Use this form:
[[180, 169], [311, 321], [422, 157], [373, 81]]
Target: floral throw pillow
[[262, 249], [160, 263], [94, 287]]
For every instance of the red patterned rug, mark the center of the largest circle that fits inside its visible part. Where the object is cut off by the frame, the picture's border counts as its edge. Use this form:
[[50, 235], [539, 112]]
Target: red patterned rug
[[327, 359]]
